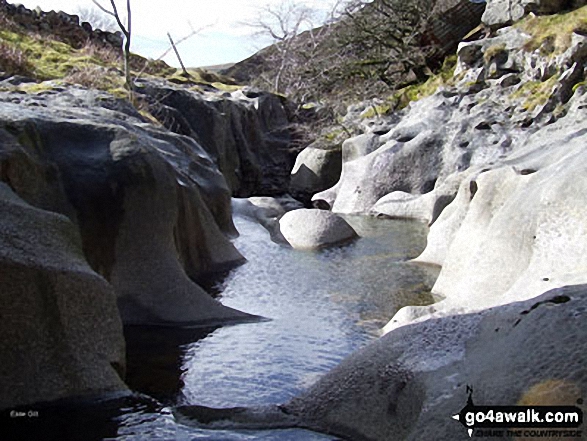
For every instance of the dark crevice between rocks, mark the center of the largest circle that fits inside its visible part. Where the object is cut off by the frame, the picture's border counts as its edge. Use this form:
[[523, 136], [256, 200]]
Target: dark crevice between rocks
[[441, 203], [483, 126], [321, 204], [98, 203], [527, 171], [428, 186], [404, 139], [557, 300], [473, 187]]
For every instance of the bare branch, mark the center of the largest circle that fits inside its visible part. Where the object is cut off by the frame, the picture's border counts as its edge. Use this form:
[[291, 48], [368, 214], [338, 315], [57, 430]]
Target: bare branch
[[102, 8], [126, 30]]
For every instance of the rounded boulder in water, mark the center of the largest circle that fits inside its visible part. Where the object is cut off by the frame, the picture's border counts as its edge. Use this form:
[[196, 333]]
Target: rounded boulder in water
[[313, 229]]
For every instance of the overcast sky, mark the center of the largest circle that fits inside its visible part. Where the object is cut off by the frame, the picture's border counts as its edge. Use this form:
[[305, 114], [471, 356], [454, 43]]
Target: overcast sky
[[225, 39]]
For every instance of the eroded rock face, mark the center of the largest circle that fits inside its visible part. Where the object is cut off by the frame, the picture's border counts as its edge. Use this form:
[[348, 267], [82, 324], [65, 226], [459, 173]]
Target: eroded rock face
[[61, 331], [311, 229], [151, 206], [245, 133], [518, 230], [408, 384], [502, 94], [438, 136]]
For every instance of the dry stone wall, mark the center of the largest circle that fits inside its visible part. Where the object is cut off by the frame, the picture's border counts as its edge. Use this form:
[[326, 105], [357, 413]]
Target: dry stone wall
[[60, 25]]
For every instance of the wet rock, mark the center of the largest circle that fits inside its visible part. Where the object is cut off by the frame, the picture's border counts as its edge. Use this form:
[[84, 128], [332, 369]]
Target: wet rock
[[317, 168]]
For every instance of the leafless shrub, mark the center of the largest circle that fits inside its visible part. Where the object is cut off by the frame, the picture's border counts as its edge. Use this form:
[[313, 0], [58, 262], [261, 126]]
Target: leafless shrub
[[14, 61], [106, 54], [92, 76]]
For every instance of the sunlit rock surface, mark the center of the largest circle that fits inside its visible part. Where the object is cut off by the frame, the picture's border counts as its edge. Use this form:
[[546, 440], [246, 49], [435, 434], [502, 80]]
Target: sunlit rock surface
[[311, 229]]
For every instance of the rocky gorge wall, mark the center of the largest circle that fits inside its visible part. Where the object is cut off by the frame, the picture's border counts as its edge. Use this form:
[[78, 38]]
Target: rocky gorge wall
[[112, 218], [246, 132], [484, 161]]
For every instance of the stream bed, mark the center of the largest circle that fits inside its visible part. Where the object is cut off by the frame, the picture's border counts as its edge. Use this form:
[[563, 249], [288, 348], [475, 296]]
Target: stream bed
[[320, 306]]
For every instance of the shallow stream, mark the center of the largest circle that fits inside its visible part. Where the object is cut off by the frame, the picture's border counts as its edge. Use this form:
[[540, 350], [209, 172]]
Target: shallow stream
[[321, 307]]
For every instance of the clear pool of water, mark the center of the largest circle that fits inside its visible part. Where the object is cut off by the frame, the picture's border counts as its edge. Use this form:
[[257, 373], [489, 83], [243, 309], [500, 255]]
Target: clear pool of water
[[320, 306]]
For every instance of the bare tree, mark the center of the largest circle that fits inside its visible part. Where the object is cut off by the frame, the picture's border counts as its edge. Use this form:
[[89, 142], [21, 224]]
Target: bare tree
[[282, 24], [97, 18], [173, 46], [296, 32], [382, 39], [126, 31]]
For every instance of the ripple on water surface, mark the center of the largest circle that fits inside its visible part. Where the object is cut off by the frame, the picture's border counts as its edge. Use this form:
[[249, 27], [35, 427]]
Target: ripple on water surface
[[322, 306]]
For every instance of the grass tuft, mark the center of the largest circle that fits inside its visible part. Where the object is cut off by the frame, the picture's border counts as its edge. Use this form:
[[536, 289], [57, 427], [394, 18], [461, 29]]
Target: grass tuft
[[552, 33], [13, 61]]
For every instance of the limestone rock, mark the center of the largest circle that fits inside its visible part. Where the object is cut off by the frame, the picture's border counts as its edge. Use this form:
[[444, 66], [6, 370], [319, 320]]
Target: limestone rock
[[61, 332], [246, 134], [503, 12], [500, 13], [151, 206], [517, 230], [503, 94], [408, 384], [312, 228], [317, 168]]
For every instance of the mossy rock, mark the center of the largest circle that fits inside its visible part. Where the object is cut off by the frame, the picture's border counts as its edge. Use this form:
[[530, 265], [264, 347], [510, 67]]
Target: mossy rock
[[552, 33]]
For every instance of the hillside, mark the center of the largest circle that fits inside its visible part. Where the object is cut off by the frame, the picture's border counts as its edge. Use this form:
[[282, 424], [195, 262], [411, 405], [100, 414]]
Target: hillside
[[370, 51], [44, 46]]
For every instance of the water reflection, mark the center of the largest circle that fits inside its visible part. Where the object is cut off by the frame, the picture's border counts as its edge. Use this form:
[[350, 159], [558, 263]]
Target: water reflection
[[323, 306], [154, 356]]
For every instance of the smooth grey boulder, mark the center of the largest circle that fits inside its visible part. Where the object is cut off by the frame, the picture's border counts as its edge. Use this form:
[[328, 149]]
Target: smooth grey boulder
[[312, 228], [151, 206], [317, 168], [408, 384], [61, 331]]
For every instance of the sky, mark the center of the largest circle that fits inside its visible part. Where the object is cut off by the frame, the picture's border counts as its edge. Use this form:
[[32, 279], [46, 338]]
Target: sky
[[224, 38]]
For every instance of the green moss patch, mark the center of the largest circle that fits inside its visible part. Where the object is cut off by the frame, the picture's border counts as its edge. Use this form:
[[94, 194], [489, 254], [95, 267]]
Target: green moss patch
[[444, 77], [92, 66], [552, 33], [535, 93]]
